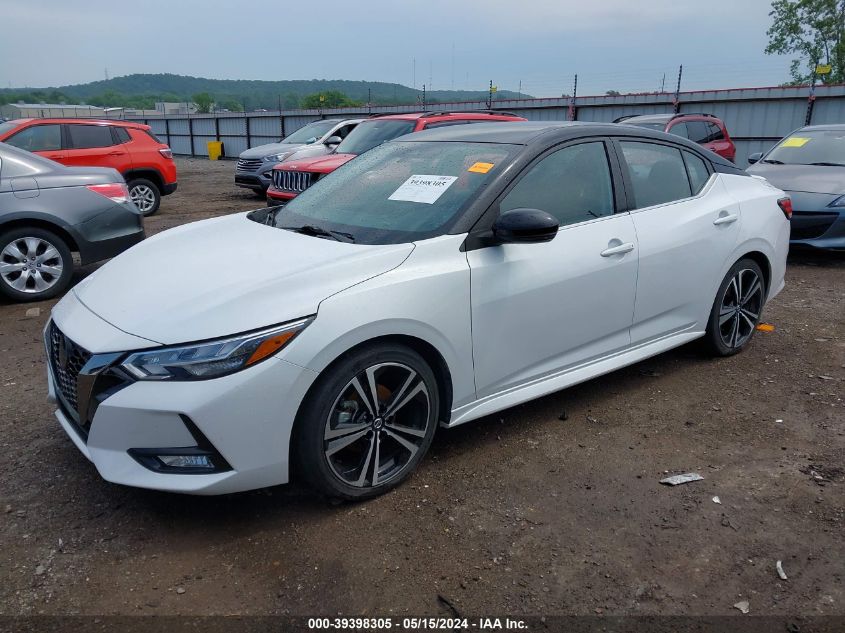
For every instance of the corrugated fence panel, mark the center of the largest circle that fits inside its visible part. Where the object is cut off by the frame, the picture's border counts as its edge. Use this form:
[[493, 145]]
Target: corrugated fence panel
[[293, 123], [180, 145], [829, 111], [233, 126], [266, 126], [233, 145], [204, 126], [200, 147]]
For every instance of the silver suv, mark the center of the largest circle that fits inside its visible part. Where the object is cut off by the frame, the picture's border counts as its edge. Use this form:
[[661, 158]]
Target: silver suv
[[255, 165]]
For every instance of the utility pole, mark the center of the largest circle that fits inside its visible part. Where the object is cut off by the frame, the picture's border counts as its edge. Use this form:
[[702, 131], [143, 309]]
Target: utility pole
[[519, 92], [663, 84], [453, 66], [676, 102], [423, 101], [490, 96], [369, 100], [572, 113], [414, 73]]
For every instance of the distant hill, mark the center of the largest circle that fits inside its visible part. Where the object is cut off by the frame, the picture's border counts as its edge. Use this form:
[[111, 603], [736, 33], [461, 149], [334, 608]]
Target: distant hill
[[142, 90]]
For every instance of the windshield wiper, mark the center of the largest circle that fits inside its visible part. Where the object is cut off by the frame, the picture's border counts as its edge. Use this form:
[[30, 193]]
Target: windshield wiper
[[772, 161], [827, 164], [318, 231]]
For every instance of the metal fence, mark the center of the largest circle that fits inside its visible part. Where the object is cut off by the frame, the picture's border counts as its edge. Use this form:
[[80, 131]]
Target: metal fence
[[756, 117]]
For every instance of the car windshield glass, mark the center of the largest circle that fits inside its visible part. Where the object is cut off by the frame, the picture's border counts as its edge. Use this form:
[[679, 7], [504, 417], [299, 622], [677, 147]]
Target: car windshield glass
[[371, 133], [312, 130], [808, 147], [9, 125], [397, 193]]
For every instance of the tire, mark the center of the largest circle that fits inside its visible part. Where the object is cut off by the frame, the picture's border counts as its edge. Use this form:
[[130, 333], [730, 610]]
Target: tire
[[145, 194], [732, 322], [23, 278], [391, 445]]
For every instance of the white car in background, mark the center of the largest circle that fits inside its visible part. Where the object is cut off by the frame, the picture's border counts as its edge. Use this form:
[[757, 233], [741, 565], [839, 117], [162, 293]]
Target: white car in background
[[434, 280]]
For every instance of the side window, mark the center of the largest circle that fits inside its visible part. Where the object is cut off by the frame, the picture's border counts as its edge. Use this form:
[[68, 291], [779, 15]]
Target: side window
[[679, 129], [715, 133], [342, 132], [697, 131], [697, 170], [121, 134], [436, 124], [38, 138], [658, 173], [89, 136], [572, 184]]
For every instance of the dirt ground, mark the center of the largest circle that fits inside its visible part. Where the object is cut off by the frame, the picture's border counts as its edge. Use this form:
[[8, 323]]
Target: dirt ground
[[553, 507]]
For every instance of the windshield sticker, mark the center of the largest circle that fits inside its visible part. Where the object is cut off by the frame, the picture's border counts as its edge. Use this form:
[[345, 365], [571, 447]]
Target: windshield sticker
[[481, 168], [795, 141], [423, 188]]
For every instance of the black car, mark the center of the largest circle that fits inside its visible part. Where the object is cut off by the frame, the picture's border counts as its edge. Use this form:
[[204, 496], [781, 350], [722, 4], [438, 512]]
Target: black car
[[47, 211]]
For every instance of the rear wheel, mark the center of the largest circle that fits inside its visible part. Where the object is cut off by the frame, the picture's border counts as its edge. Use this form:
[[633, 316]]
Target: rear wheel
[[737, 308], [145, 194], [35, 264], [368, 422]]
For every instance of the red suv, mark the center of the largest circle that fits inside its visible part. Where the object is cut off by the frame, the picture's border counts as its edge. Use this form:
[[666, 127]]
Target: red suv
[[144, 161], [294, 177], [704, 129]]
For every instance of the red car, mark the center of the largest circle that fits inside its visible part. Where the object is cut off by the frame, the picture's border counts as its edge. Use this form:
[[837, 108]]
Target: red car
[[131, 148], [291, 178], [705, 129]]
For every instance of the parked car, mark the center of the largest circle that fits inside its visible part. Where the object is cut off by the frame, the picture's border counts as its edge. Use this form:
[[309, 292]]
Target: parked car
[[809, 164], [705, 129], [131, 148], [255, 165], [294, 176], [436, 279], [48, 210]]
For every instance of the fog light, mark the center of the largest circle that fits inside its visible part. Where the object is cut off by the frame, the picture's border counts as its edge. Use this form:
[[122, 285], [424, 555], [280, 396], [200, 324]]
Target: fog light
[[186, 461]]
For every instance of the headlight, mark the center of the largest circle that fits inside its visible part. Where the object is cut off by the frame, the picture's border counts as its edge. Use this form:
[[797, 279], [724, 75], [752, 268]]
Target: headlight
[[278, 157], [839, 202], [212, 359]]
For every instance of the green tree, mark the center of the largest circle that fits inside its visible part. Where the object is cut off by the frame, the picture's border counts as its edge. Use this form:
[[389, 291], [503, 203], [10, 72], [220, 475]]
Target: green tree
[[203, 101], [815, 31], [328, 99], [613, 93]]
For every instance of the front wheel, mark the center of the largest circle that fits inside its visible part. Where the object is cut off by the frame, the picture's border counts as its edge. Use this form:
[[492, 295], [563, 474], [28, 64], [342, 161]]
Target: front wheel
[[367, 423], [145, 194], [737, 308], [35, 264]]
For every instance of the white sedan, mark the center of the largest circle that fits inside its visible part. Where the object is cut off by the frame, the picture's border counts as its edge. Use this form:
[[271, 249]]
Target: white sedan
[[435, 279]]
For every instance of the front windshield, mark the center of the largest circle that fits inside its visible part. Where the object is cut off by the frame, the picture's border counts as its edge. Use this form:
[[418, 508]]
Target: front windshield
[[397, 193], [314, 130], [810, 147], [371, 133], [8, 125]]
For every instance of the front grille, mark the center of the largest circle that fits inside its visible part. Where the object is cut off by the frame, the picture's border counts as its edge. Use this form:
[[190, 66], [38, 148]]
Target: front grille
[[66, 359], [808, 226], [245, 164], [292, 181]]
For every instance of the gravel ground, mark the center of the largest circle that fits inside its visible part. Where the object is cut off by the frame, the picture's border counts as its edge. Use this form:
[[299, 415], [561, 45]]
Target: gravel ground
[[552, 507]]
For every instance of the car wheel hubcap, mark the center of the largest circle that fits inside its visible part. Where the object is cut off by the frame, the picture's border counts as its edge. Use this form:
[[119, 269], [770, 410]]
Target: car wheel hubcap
[[30, 265], [377, 425], [740, 309], [143, 197]]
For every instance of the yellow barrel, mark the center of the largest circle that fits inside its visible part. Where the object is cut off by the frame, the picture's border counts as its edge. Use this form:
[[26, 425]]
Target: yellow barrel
[[215, 149]]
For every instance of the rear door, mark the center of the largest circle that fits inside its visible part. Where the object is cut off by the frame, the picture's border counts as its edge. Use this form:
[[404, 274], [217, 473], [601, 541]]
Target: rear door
[[539, 309], [45, 139], [91, 145], [687, 226], [717, 142]]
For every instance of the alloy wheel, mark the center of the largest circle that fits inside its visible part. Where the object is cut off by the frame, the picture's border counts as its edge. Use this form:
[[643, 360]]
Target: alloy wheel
[[740, 308], [377, 425], [30, 264], [143, 197]]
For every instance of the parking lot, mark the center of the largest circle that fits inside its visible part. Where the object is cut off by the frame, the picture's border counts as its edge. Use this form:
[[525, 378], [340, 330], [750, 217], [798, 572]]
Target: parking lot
[[552, 507]]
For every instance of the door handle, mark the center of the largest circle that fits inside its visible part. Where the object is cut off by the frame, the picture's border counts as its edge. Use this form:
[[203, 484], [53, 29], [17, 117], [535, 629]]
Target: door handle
[[618, 250], [726, 219]]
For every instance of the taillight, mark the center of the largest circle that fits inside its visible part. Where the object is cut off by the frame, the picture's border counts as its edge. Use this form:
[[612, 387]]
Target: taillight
[[785, 205], [167, 152], [116, 191]]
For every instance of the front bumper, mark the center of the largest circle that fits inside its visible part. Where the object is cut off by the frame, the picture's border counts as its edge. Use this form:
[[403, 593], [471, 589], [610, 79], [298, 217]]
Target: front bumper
[[819, 229], [259, 179], [277, 196], [246, 418]]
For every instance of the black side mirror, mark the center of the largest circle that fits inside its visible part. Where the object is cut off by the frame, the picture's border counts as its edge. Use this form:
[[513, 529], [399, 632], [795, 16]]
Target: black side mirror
[[525, 226], [333, 140], [755, 158]]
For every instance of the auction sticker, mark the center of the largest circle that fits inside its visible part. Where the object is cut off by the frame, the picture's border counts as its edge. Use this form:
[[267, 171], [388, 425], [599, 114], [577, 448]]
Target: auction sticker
[[481, 168], [423, 188], [795, 141]]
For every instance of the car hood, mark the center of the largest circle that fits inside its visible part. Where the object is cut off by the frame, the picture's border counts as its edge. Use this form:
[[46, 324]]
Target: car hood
[[224, 276], [323, 164], [808, 178], [268, 150]]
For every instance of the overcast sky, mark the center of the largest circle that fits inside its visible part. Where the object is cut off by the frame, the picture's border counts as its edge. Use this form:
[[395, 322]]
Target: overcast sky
[[624, 45]]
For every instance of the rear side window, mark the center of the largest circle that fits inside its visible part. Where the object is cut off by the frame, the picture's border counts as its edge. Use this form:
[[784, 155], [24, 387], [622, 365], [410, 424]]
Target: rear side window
[[697, 131], [89, 136], [572, 184], [38, 138], [153, 136], [679, 129], [658, 173], [697, 170], [714, 133], [121, 134]]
